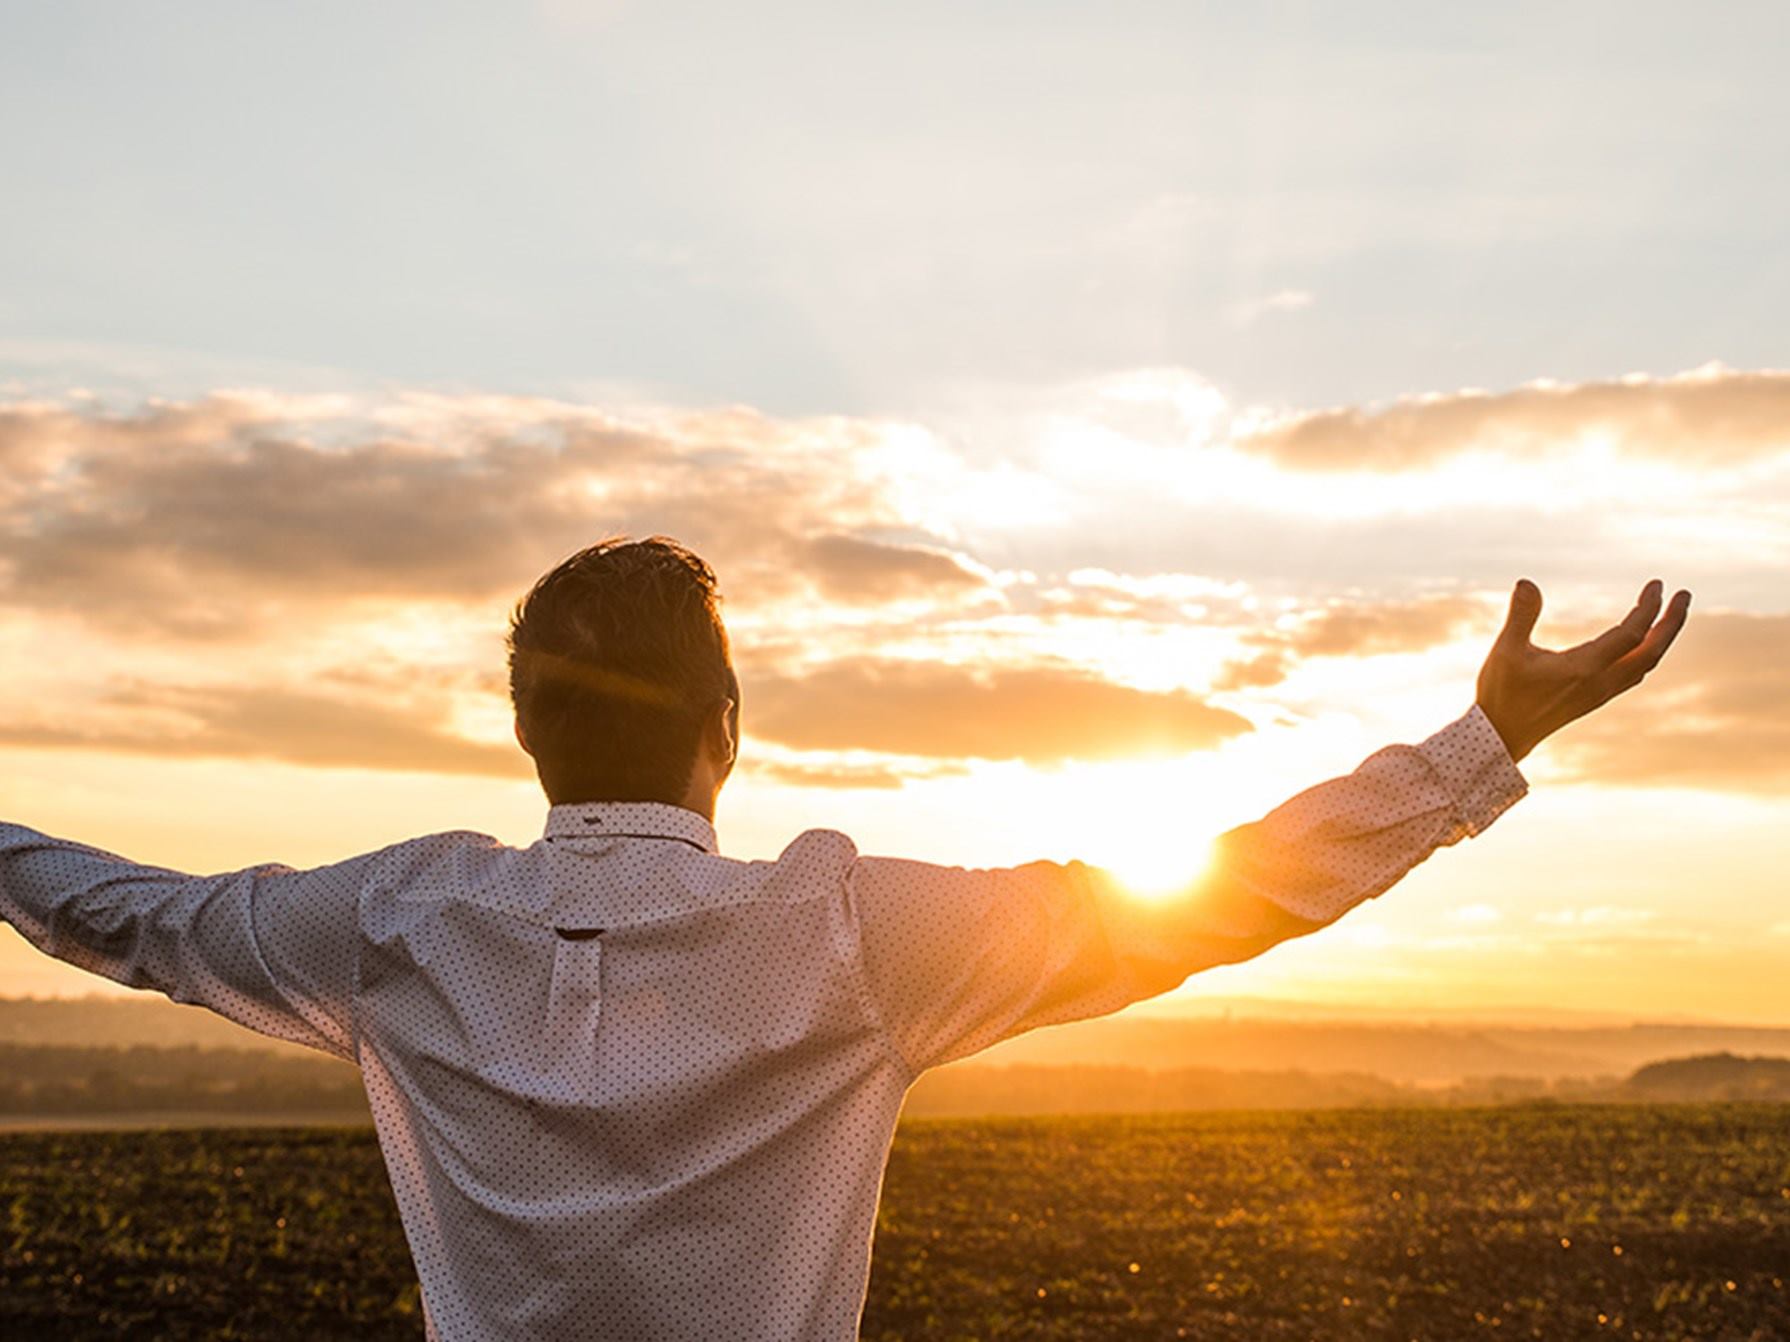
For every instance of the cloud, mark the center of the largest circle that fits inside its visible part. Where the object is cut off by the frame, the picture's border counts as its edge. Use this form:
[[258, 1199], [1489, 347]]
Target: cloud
[[1716, 714], [278, 523], [1601, 915], [290, 726], [1712, 416], [1255, 673], [1043, 715], [1477, 914], [850, 776], [1283, 300], [848, 568], [210, 519], [297, 532], [1154, 598], [1355, 629], [932, 716]]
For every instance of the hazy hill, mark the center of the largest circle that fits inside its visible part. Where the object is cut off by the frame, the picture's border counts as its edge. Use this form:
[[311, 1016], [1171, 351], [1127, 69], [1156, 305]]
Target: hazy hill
[[46, 1079], [48, 1085], [1439, 1053], [1719, 1076], [87, 1022], [975, 1090], [98, 1056], [1415, 1053]]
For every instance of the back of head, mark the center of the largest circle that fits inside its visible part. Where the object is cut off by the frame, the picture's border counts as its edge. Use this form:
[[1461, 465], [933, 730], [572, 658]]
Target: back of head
[[617, 657]]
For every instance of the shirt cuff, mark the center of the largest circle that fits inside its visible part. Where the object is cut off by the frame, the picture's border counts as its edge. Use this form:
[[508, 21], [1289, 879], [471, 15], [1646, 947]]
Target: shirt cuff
[[1471, 761]]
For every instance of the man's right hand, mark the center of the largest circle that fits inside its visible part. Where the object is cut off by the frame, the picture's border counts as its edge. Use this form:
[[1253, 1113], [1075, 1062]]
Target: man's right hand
[[1529, 693]]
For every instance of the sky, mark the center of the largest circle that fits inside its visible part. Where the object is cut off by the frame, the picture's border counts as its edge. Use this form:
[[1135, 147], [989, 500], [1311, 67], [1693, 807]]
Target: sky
[[1105, 421]]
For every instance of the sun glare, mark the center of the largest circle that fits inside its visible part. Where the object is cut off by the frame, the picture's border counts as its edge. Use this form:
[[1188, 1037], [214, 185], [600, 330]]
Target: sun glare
[[1145, 821], [1162, 867]]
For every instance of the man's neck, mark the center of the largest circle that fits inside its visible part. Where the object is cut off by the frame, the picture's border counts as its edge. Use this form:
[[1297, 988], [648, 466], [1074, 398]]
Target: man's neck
[[703, 805]]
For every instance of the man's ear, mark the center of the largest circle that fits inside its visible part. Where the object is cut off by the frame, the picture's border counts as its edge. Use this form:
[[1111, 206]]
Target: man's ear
[[522, 740], [726, 735]]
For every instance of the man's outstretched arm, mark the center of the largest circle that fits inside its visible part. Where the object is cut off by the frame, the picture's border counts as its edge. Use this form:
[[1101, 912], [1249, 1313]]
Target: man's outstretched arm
[[268, 947], [957, 959]]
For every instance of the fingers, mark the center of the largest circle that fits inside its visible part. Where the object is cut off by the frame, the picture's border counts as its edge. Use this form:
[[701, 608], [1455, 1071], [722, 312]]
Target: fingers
[[1622, 639], [1627, 671], [1525, 610], [1661, 636]]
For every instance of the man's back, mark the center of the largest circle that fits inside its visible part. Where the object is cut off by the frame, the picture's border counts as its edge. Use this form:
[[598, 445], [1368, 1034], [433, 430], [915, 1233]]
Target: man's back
[[670, 1123]]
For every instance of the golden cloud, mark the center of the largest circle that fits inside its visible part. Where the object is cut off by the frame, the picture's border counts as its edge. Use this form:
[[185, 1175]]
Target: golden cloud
[[254, 517], [284, 725], [1040, 714], [849, 776], [211, 519], [1709, 417], [852, 569], [1715, 715], [1356, 629]]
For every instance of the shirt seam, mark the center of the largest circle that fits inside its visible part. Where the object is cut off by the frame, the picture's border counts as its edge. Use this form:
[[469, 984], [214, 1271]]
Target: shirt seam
[[295, 1004], [617, 834], [355, 1033], [621, 924], [861, 981]]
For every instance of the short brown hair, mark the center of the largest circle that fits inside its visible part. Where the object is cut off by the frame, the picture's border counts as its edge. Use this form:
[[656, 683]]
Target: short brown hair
[[617, 656]]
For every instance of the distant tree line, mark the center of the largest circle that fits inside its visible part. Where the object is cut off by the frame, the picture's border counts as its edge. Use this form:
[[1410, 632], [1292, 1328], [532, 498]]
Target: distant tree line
[[47, 1080], [38, 1080], [1717, 1076], [976, 1090]]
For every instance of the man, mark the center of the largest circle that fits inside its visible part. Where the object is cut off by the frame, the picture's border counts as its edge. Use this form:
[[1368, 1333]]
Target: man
[[629, 1088]]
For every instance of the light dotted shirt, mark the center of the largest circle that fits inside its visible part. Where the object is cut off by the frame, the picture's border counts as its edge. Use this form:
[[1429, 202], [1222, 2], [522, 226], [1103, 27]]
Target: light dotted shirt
[[628, 1088]]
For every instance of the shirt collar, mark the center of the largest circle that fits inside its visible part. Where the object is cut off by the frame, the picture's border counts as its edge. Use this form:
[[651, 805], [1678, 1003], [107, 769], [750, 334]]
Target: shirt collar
[[630, 820]]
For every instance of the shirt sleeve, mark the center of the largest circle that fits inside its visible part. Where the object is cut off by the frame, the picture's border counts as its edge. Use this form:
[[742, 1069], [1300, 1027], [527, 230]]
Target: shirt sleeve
[[269, 947], [957, 959]]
